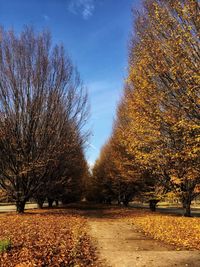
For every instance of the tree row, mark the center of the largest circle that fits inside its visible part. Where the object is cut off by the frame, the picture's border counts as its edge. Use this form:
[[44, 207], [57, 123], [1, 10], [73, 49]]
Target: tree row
[[154, 148]]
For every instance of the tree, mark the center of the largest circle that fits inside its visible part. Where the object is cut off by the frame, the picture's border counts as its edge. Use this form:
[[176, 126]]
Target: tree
[[164, 95], [115, 174], [65, 181], [99, 185], [41, 100]]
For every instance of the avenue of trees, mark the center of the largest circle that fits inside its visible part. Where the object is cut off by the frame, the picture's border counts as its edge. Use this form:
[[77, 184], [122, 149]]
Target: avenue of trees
[[155, 144], [43, 111], [154, 148]]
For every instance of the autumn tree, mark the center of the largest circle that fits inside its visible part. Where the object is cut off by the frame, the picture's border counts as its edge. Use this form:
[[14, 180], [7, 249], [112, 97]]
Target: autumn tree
[[130, 176], [163, 93], [115, 174], [41, 100], [99, 186]]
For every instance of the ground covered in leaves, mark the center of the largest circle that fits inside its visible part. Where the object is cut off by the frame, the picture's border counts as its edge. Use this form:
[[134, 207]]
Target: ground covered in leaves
[[176, 230], [56, 238], [60, 237]]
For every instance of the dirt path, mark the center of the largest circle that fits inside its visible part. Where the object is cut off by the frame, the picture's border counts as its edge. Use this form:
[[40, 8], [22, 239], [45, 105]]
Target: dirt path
[[120, 244]]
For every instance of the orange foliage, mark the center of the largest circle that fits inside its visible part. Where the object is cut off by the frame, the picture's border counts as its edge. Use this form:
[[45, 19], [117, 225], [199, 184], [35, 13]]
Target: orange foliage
[[46, 239]]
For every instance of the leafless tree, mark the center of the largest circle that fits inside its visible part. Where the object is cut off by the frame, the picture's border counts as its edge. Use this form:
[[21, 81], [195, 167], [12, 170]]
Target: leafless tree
[[41, 100]]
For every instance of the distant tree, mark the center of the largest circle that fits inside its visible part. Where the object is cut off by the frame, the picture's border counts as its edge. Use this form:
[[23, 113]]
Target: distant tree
[[115, 177], [41, 100], [99, 185]]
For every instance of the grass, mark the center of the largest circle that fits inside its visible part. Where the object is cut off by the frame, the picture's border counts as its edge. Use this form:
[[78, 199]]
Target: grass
[[5, 245]]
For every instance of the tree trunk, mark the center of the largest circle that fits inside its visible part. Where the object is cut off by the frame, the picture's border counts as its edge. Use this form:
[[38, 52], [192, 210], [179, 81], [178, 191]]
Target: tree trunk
[[125, 203], [186, 202], [50, 202], [119, 194], [40, 203], [57, 203], [152, 204], [118, 201], [187, 209], [20, 206], [184, 205]]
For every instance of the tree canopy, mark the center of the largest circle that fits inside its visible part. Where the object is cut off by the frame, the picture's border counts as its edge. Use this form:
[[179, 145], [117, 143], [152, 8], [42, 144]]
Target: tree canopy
[[43, 108]]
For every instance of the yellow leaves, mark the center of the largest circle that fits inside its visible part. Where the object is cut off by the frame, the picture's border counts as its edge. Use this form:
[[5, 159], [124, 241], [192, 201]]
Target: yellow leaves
[[181, 231], [175, 180], [197, 188], [192, 174], [157, 125]]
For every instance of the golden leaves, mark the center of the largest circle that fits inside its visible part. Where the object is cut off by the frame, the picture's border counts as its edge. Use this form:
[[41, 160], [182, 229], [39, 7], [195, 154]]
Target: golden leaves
[[162, 106], [46, 239], [180, 231]]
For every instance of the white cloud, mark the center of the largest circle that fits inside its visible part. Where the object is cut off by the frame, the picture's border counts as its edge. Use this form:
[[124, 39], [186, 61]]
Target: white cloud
[[46, 17], [83, 7]]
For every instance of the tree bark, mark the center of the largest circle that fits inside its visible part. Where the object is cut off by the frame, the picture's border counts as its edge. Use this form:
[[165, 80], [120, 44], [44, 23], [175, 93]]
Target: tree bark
[[50, 202], [125, 203], [118, 201], [40, 203], [186, 202], [20, 206], [187, 209], [152, 204]]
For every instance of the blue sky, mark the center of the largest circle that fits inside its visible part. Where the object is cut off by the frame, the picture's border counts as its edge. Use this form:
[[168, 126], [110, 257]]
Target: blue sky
[[95, 34]]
